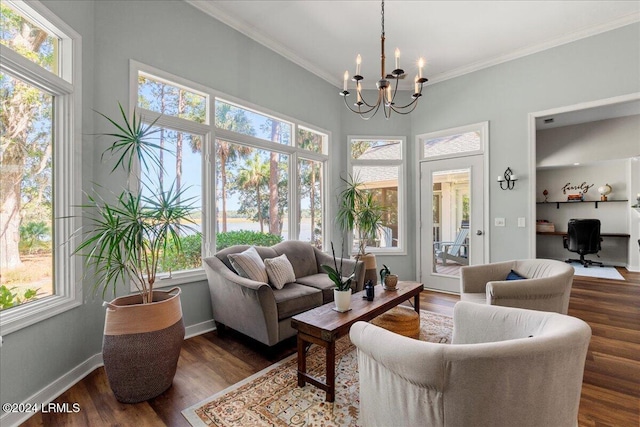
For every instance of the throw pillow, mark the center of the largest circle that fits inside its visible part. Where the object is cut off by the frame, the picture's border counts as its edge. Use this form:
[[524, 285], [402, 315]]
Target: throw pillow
[[280, 271], [514, 276], [248, 264]]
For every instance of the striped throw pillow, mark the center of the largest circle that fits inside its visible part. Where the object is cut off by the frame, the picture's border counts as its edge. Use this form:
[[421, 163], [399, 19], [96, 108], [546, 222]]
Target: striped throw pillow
[[280, 271], [248, 264]]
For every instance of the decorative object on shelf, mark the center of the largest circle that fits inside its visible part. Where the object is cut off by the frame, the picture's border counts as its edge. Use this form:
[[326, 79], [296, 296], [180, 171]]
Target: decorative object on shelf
[[369, 290], [545, 193], [386, 95], [544, 226], [604, 191], [583, 188], [638, 200], [575, 197], [509, 178]]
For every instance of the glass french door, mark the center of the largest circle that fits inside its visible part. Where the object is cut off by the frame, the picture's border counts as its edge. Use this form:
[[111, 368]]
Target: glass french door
[[452, 219]]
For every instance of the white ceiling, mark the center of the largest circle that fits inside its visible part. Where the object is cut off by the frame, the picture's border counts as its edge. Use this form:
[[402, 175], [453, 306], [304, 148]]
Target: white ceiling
[[454, 37]]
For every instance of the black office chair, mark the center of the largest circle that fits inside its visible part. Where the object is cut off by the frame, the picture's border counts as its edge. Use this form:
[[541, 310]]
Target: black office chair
[[583, 237]]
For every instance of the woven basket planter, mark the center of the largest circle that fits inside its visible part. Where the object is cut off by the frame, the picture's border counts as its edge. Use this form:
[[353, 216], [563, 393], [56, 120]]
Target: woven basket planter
[[370, 269], [142, 344]]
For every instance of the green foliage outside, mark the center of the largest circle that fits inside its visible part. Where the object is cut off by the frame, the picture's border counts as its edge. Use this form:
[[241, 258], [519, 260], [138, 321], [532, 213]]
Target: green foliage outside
[[9, 298], [32, 237], [244, 237], [187, 257]]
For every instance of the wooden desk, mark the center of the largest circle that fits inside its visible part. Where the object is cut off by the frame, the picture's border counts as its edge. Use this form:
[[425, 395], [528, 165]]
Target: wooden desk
[[564, 233]]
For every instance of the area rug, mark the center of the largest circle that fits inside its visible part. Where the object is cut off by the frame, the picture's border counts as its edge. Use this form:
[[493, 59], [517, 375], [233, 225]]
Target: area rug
[[272, 397], [599, 272]]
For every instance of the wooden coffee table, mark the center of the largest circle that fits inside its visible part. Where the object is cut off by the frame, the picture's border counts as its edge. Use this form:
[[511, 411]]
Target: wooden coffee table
[[323, 326]]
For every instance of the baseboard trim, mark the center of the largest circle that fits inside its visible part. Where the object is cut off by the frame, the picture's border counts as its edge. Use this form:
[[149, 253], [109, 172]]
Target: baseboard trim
[[65, 382], [199, 329], [55, 389]]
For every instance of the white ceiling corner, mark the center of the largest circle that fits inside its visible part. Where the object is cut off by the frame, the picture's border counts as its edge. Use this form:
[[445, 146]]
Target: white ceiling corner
[[455, 37]]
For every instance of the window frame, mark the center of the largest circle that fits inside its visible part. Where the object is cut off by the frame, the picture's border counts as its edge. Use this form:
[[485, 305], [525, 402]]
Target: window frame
[[401, 163], [65, 87], [210, 133]]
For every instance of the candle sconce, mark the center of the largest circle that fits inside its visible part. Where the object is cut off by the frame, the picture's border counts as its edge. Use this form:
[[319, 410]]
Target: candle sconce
[[509, 179]]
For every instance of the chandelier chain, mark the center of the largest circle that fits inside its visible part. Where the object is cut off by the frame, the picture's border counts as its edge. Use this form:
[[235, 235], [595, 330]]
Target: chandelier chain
[[382, 18]]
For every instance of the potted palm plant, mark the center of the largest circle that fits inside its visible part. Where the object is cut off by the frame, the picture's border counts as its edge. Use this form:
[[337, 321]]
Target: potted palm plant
[[359, 211], [124, 241]]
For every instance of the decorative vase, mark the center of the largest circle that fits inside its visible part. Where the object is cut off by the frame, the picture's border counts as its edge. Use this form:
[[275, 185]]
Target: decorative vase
[[142, 344], [370, 269], [391, 281], [342, 300]]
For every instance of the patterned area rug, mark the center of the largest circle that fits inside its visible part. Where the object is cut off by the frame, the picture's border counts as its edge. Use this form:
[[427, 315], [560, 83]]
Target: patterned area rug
[[272, 397]]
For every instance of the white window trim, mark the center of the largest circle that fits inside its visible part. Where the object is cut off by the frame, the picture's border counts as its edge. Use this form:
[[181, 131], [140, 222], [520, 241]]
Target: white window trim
[[67, 174], [401, 249], [210, 133]]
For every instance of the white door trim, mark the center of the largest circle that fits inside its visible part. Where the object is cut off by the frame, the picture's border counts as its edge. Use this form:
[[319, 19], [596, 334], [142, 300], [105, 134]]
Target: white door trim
[[532, 150], [484, 132]]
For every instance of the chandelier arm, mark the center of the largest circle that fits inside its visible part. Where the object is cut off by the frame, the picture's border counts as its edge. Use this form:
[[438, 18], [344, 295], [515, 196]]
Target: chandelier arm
[[358, 111], [372, 114], [414, 103], [366, 103]]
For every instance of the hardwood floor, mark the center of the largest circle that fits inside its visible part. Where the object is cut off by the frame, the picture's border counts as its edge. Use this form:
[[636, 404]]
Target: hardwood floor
[[210, 363]]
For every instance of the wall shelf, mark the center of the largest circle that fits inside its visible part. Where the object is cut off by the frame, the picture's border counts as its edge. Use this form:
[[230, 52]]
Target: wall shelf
[[579, 202]]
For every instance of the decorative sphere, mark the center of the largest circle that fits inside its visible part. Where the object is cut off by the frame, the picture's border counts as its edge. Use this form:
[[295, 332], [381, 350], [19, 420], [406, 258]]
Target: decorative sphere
[[604, 190]]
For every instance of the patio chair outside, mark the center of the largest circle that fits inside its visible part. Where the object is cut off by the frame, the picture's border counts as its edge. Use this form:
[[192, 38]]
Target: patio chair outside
[[452, 251]]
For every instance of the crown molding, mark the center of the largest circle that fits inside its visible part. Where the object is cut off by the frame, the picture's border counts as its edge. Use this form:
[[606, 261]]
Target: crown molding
[[212, 10], [540, 47]]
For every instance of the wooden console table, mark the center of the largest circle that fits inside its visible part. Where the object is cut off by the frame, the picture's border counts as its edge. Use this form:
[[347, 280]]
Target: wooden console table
[[323, 326]]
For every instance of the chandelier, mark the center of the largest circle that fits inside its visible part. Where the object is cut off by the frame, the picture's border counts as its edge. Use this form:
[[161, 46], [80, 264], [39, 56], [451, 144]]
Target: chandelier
[[386, 94]]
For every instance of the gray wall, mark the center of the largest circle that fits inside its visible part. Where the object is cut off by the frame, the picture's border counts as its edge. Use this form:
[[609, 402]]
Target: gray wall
[[177, 38], [602, 66]]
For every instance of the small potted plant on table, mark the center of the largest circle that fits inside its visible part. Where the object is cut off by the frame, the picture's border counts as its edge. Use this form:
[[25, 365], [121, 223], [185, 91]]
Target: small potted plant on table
[[342, 291], [388, 280]]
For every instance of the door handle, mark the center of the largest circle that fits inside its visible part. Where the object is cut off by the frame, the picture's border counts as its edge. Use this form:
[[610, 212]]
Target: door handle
[[479, 233]]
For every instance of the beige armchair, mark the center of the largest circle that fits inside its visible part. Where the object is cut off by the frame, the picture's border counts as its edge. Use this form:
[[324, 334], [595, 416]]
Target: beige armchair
[[547, 286], [505, 367]]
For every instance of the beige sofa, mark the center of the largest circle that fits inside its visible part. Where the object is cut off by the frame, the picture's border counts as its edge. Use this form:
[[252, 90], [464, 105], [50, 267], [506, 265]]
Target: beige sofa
[[547, 286], [257, 309], [505, 367]]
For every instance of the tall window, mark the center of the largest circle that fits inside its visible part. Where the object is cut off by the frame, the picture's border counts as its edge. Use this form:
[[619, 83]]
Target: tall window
[[38, 167], [258, 178], [180, 156], [260, 169], [378, 163]]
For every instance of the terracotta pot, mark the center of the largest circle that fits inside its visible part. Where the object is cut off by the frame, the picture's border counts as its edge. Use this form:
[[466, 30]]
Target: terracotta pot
[[342, 299], [391, 281], [370, 269], [142, 344]]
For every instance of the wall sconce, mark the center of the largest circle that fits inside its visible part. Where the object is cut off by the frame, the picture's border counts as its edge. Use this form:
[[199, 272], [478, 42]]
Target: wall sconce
[[509, 178]]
